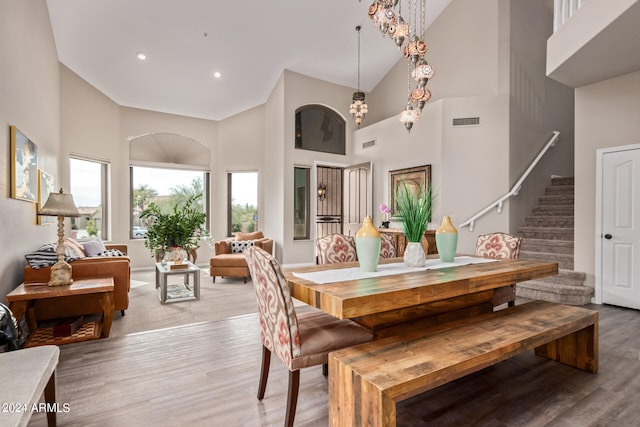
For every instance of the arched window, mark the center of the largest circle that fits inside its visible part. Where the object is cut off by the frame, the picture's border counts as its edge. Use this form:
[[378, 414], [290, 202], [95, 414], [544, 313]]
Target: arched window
[[166, 169], [319, 128]]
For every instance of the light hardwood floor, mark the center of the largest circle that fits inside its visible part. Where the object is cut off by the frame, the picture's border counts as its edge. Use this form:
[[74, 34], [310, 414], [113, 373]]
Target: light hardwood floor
[[206, 374]]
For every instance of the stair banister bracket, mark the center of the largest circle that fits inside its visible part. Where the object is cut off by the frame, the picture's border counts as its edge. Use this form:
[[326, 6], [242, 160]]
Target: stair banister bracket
[[499, 207], [471, 224]]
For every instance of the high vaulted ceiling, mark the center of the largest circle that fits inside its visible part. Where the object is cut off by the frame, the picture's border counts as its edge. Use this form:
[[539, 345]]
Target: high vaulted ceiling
[[249, 42]]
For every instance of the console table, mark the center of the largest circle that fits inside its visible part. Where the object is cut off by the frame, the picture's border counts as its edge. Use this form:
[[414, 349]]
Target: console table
[[22, 299]]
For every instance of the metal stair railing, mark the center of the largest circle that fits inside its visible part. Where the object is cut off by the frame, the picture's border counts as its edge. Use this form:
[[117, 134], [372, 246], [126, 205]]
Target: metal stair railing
[[516, 188]]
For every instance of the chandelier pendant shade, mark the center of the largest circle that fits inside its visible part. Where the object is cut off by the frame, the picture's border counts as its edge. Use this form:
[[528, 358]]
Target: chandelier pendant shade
[[358, 108], [408, 35]]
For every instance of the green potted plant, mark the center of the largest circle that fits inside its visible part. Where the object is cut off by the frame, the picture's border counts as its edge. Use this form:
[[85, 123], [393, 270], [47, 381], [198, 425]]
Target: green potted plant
[[416, 207], [180, 228]]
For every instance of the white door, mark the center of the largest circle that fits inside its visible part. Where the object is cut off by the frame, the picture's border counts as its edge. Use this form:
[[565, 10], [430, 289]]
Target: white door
[[358, 197], [621, 228]]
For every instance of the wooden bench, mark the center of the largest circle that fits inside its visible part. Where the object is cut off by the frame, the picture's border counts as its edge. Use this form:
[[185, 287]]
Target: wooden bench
[[366, 381], [25, 375]]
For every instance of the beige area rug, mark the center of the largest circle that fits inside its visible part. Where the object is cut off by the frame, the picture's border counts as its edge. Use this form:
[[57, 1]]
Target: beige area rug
[[226, 298]]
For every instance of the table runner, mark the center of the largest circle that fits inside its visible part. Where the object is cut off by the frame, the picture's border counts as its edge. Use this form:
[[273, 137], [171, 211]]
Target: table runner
[[354, 273]]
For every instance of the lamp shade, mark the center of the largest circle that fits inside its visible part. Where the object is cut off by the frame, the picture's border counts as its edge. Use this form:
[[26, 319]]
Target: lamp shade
[[59, 204]]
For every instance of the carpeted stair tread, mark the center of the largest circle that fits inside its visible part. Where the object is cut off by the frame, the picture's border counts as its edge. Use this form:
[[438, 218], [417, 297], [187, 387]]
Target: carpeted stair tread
[[553, 210], [562, 180], [556, 200], [547, 245], [554, 292], [550, 233], [566, 221], [565, 261], [565, 277], [560, 190]]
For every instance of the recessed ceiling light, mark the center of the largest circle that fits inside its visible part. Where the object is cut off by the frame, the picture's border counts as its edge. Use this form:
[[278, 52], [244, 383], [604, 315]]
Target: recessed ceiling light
[[217, 74], [141, 56]]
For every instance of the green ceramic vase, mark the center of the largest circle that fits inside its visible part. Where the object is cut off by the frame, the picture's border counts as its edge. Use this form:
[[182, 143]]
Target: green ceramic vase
[[368, 246], [447, 240]]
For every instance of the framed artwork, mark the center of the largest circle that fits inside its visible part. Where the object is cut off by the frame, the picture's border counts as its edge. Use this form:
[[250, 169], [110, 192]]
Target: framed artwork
[[412, 177], [24, 167], [45, 187]]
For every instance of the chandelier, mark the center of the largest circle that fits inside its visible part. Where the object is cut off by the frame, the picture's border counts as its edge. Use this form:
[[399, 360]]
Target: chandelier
[[386, 16], [358, 107]]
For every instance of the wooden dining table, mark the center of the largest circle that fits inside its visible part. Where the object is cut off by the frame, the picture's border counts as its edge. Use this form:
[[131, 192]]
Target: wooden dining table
[[388, 303]]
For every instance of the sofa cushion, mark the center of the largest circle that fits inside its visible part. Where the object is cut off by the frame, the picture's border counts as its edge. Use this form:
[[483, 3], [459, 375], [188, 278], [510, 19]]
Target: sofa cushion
[[46, 256], [93, 247], [240, 246], [228, 260], [249, 236]]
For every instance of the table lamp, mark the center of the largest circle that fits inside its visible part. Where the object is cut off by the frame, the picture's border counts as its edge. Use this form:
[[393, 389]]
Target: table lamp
[[60, 205]]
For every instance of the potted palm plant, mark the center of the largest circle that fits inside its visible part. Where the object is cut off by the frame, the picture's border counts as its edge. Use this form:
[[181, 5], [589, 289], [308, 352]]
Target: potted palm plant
[[416, 207], [178, 229]]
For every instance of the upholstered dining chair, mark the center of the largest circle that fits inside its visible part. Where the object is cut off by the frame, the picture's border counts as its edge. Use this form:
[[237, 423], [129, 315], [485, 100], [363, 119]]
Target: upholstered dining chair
[[387, 246], [336, 248], [300, 340], [501, 246]]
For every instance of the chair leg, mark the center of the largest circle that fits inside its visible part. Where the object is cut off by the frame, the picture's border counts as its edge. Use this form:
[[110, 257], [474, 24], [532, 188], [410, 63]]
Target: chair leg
[[122, 312], [245, 280], [292, 397], [325, 369], [214, 279], [264, 371]]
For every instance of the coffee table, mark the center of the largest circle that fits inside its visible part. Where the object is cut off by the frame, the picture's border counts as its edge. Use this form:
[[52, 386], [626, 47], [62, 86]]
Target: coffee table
[[180, 292], [24, 297]]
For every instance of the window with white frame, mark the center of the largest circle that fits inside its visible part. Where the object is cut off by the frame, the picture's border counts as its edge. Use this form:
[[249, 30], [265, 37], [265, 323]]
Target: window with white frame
[[89, 186], [166, 187]]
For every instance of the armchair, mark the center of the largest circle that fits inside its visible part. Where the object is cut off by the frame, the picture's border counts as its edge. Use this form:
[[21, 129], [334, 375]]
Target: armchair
[[229, 260]]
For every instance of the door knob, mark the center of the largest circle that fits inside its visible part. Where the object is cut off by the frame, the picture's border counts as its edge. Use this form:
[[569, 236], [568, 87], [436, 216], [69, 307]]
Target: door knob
[[608, 236]]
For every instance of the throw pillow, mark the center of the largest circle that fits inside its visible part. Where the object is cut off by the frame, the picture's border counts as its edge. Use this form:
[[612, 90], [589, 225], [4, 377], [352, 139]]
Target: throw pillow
[[112, 253], [77, 247], [93, 247], [46, 256], [249, 236], [239, 247]]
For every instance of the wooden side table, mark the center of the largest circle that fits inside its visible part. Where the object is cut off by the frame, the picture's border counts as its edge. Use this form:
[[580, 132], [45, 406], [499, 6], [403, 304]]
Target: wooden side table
[[400, 240], [22, 299]]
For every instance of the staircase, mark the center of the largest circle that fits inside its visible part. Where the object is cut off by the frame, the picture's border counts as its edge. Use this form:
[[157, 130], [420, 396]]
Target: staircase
[[547, 235]]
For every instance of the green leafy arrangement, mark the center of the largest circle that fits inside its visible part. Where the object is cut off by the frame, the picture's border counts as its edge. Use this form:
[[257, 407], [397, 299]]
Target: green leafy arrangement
[[416, 209], [182, 226]]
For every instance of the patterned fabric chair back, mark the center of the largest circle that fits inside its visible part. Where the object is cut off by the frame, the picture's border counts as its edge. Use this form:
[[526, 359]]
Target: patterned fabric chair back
[[278, 321], [498, 245], [387, 246], [336, 248]]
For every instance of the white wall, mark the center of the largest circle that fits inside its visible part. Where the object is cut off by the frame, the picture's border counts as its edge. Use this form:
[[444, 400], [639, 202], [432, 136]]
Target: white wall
[[606, 116], [29, 100], [135, 122], [462, 47], [301, 90], [469, 164], [538, 106]]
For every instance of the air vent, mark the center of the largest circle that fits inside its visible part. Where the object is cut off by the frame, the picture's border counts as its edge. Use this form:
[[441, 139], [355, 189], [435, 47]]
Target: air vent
[[369, 143], [467, 121]]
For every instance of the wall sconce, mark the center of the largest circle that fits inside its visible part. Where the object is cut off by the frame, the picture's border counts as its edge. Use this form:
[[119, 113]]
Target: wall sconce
[[322, 191]]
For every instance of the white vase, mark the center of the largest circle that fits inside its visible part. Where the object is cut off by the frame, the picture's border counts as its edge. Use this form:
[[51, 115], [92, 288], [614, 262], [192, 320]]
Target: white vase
[[414, 255]]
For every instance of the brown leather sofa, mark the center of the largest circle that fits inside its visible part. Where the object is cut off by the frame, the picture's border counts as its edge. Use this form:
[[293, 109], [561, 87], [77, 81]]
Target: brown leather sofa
[[85, 268], [227, 264]]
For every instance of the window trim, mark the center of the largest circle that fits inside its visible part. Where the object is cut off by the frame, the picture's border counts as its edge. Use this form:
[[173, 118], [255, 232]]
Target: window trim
[[307, 202]]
